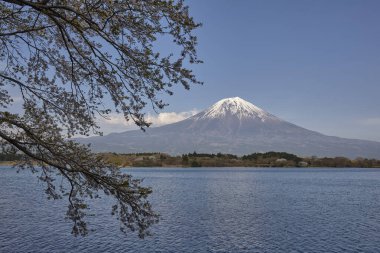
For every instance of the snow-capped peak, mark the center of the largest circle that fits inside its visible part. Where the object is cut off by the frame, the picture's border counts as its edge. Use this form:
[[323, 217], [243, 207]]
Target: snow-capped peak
[[238, 107]]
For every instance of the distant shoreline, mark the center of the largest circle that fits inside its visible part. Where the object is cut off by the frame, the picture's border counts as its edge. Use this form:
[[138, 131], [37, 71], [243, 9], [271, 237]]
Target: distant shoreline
[[11, 163], [7, 163], [255, 160]]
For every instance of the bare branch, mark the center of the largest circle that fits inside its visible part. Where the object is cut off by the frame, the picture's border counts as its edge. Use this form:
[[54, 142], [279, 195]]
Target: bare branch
[[72, 61]]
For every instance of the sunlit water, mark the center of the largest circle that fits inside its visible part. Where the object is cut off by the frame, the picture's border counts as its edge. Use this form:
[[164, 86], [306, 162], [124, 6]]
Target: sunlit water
[[209, 210]]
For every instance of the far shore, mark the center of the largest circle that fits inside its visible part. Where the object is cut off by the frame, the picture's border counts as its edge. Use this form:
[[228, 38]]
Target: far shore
[[270, 159], [8, 163], [13, 163]]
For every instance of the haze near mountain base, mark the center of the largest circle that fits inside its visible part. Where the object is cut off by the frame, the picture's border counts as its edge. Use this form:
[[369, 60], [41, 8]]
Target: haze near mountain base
[[235, 126]]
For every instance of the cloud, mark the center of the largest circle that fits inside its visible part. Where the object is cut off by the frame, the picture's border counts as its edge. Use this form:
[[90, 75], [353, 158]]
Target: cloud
[[169, 117], [117, 123]]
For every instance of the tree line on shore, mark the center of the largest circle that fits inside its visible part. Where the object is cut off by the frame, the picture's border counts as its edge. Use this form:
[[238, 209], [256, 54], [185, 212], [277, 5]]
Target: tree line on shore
[[267, 159]]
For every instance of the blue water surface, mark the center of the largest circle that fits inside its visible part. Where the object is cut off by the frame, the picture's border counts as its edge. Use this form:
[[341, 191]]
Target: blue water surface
[[208, 210]]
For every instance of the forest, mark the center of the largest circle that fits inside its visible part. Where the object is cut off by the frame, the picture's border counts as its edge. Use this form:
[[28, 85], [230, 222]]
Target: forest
[[267, 159]]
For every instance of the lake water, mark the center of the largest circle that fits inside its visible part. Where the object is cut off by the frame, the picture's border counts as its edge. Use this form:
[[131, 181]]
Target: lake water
[[209, 210]]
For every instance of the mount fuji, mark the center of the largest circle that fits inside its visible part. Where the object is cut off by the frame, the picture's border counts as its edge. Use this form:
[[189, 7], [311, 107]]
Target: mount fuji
[[235, 126]]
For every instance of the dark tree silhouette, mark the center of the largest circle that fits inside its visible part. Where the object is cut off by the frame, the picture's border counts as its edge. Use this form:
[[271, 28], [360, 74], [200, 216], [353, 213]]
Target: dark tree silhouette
[[67, 60]]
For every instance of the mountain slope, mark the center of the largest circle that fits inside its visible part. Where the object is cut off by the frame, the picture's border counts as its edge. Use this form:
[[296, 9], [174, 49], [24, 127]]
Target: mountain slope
[[233, 125]]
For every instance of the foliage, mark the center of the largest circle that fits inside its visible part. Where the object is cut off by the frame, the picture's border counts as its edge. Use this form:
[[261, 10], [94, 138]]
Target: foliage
[[268, 159], [272, 154], [195, 163], [72, 62], [219, 155], [10, 157]]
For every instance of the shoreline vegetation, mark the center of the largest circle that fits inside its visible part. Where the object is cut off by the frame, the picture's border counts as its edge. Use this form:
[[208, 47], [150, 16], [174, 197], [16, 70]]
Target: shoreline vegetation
[[268, 159]]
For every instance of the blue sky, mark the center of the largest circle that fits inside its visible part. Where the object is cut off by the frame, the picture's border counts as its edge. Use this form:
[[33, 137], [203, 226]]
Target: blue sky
[[313, 63]]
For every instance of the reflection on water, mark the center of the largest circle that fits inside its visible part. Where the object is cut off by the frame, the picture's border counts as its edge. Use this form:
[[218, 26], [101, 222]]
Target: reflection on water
[[210, 210]]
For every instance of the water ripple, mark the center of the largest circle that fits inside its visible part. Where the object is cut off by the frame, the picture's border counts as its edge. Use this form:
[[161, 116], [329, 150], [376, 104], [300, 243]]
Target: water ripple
[[210, 210]]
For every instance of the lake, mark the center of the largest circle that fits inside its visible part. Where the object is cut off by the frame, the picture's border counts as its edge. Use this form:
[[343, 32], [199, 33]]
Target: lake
[[209, 210]]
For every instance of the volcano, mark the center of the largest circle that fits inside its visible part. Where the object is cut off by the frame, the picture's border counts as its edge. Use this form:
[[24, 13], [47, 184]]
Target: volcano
[[234, 126]]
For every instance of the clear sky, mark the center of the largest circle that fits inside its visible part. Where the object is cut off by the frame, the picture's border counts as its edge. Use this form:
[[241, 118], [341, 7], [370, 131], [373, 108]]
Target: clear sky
[[313, 63]]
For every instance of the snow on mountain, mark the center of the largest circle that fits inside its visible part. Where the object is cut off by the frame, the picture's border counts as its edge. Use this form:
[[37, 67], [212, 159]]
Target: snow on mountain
[[234, 106], [235, 126]]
